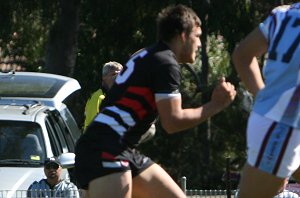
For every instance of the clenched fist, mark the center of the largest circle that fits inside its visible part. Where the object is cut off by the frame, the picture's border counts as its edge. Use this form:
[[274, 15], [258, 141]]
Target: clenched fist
[[223, 94]]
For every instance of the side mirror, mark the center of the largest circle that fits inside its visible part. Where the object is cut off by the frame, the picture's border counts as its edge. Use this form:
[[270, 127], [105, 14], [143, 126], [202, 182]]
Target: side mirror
[[67, 160]]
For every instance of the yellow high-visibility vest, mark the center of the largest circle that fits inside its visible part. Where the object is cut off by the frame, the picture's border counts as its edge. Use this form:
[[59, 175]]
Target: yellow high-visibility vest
[[92, 106]]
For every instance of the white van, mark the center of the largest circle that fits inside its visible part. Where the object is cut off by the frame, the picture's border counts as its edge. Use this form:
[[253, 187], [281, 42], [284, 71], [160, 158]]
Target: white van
[[34, 124]]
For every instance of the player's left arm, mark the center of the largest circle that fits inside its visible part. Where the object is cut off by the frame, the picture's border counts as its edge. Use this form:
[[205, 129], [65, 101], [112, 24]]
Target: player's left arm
[[245, 61]]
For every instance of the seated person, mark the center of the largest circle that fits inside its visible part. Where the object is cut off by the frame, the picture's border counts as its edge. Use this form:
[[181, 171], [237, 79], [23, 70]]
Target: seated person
[[31, 148], [53, 185]]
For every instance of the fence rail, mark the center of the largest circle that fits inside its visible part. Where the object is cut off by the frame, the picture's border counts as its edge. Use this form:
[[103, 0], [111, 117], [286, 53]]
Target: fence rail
[[39, 194], [209, 193], [189, 193], [196, 193]]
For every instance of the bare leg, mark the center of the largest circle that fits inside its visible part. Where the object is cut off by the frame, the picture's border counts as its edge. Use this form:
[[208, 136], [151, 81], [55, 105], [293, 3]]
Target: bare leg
[[258, 184], [155, 182], [296, 175], [111, 186]]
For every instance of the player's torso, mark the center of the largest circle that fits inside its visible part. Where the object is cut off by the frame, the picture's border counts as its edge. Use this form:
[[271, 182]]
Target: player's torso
[[129, 107], [279, 99]]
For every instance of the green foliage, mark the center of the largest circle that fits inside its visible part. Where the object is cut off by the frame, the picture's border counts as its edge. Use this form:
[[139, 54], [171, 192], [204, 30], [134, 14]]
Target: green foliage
[[218, 57], [23, 41]]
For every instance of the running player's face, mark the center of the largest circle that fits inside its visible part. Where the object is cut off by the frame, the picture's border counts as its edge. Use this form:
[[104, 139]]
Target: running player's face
[[192, 45]]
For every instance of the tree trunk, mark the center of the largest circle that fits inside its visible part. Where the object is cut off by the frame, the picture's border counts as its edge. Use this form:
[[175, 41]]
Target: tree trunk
[[62, 43]]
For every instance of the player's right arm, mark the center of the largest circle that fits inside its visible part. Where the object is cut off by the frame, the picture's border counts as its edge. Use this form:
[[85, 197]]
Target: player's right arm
[[174, 118]]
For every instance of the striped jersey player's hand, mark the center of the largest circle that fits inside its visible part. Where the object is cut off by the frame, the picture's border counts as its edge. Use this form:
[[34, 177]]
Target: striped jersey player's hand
[[223, 94]]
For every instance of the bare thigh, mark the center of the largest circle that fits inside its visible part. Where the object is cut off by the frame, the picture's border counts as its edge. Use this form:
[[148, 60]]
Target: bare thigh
[[296, 175], [258, 184], [155, 182], [111, 186]]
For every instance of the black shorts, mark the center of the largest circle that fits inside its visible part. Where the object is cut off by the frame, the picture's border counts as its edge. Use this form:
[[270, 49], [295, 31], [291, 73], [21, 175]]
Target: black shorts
[[100, 153]]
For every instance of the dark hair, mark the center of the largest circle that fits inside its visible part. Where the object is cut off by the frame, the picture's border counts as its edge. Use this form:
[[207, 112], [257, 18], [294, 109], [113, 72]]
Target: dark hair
[[174, 20]]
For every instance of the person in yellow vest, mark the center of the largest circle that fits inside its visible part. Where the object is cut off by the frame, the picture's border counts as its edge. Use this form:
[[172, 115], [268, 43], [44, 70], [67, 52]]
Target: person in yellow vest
[[110, 71]]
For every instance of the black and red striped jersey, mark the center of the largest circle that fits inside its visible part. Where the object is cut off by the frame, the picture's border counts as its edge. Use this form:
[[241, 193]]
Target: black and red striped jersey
[[129, 108]]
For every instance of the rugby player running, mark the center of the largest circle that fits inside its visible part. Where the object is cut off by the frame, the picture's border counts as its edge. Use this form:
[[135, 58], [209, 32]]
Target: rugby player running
[[273, 133], [108, 163]]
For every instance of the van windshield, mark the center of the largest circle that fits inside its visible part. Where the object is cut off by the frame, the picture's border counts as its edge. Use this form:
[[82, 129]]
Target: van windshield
[[21, 143]]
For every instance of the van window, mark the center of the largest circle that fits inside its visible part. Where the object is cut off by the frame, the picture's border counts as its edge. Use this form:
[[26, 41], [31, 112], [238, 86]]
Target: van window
[[20, 140], [57, 131]]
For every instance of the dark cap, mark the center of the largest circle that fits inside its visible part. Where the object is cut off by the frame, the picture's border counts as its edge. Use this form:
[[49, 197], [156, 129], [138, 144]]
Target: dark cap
[[52, 160]]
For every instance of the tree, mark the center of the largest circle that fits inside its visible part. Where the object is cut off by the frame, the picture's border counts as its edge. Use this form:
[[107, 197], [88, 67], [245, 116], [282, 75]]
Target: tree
[[62, 43], [23, 33], [75, 38]]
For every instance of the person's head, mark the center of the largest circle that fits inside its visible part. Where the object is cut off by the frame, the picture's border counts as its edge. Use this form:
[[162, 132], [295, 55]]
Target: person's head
[[52, 169], [180, 23], [110, 71]]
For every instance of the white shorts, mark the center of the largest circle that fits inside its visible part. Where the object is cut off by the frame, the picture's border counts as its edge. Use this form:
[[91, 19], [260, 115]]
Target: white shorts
[[273, 147]]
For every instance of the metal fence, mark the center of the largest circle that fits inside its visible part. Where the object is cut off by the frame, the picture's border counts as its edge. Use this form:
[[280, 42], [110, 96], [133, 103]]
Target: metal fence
[[208, 194], [292, 191], [39, 194], [189, 193], [196, 193]]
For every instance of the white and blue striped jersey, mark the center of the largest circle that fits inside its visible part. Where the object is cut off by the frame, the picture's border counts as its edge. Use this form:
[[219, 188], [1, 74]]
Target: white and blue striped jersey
[[279, 99]]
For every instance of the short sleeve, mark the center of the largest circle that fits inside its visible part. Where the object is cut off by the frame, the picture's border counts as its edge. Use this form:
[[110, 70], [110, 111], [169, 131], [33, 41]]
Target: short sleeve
[[167, 78], [270, 25]]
